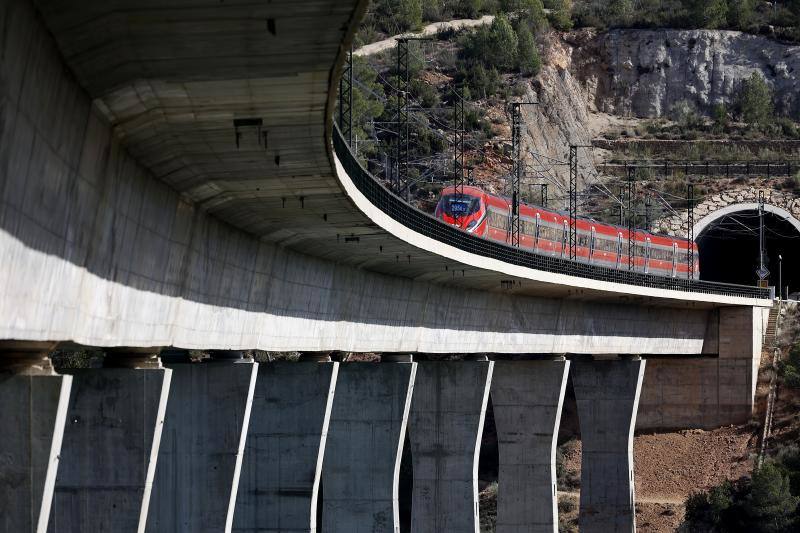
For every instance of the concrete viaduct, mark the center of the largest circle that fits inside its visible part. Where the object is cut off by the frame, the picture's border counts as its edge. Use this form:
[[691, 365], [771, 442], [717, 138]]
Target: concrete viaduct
[[168, 182]]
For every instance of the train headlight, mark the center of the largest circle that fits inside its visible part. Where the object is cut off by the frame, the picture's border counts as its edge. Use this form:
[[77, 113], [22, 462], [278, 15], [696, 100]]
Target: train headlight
[[471, 225]]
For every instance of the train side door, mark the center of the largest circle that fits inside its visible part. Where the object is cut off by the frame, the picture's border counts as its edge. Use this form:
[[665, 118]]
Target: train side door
[[536, 231], [647, 256], [619, 248], [564, 237], [674, 259], [592, 242]]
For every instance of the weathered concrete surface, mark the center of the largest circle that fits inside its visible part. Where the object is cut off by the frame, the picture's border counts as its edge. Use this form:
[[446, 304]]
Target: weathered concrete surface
[[607, 394], [202, 444], [283, 457], [100, 250], [364, 447], [707, 392], [527, 397], [445, 429], [33, 410], [109, 452]]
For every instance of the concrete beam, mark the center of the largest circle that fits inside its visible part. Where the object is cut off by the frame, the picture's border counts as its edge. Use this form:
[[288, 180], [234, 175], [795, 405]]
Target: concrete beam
[[202, 446], [364, 447], [527, 397], [33, 410], [445, 429], [110, 447], [279, 484], [607, 394]]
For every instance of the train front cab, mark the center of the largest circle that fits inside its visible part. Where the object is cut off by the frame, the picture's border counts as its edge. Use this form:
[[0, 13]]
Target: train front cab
[[464, 209]]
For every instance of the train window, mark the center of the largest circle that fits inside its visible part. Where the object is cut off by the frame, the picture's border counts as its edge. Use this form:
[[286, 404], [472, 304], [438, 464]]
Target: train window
[[498, 219], [458, 205], [549, 232]]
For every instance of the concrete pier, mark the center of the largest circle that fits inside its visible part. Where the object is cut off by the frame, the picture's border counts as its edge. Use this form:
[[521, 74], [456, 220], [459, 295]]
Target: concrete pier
[[445, 429], [202, 446], [280, 477], [365, 444], [33, 409], [607, 394], [110, 447], [527, 397]]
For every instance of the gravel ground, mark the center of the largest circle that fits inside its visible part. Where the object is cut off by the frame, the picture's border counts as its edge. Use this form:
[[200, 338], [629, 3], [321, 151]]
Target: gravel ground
[[670, 466]]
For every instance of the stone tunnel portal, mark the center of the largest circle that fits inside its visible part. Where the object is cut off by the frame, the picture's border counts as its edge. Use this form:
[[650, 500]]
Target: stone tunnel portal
[[729, 248]]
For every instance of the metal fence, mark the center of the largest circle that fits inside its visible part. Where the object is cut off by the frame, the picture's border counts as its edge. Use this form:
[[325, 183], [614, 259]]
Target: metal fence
[[429, 226]]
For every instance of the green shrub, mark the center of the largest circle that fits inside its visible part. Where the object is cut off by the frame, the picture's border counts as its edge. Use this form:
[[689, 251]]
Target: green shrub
[[755, 100], [530, 12], [560, 15], [409, 14], [426, 94], [720, 116], [686, 115], [762, 504], [710, 14], [790, 369], [788, 460], [741, 13], [706, 510], [788, 127]]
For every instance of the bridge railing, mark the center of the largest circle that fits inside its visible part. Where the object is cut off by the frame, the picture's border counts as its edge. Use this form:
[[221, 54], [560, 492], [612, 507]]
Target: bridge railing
[[425, 224]]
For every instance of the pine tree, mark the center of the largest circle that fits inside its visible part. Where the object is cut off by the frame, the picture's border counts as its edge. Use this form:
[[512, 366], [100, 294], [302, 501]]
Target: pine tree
[[621, 12], [528, 58], [710, 14], [770, 505], [502, 44], [741, 13], [755, 100]]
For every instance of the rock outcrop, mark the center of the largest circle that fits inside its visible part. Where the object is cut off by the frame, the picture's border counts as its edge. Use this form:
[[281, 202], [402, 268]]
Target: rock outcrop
[[644, 73], [560, 119]]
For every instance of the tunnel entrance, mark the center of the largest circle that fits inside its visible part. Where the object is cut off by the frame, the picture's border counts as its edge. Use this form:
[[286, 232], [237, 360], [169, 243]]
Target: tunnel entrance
[[729, 249]]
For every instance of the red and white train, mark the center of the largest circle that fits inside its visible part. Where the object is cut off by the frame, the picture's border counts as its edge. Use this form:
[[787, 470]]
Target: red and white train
[[546, 232]]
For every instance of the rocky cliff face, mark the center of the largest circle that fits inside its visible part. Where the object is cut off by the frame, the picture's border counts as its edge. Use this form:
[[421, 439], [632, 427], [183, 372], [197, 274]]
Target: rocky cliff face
[[562, 118], [644, 73], [591, 81]]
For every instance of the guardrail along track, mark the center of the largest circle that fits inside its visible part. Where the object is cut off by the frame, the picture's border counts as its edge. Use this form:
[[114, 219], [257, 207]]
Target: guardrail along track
[[428, 226]]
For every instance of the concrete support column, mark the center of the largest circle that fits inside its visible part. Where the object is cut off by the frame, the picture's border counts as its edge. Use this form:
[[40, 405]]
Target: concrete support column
[[527, 397], [110, 448], [202, 444], [445, 429], [282, 465], [33, 410], [364, 448], [607, 394]]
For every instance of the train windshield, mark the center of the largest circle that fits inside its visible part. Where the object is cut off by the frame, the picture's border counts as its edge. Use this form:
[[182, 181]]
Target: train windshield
[[458, 205]]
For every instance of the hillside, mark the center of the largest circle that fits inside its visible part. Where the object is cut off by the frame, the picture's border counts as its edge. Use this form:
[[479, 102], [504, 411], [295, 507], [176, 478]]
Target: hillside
[[622, 90]]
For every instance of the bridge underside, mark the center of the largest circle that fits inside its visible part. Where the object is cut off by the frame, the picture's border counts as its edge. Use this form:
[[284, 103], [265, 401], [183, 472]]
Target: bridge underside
[[136, 213]]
